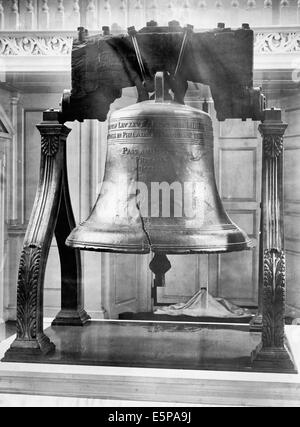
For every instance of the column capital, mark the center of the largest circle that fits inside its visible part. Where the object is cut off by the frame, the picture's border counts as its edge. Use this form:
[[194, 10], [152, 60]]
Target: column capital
[[47, 128], [14, 99], [52, 132], [273, 120], [272, 129]]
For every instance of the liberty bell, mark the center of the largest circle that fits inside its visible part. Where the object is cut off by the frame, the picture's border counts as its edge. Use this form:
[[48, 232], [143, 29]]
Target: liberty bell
[[159, 192]]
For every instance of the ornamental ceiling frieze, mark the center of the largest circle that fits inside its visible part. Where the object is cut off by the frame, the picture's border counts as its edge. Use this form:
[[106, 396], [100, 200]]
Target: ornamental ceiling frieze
[[54, 45]]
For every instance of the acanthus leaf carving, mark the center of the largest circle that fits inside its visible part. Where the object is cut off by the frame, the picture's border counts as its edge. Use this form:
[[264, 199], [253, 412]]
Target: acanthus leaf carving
[[28, 279], [273, 145], [50, 145], [274, 294], [267, 299], [280, 300]]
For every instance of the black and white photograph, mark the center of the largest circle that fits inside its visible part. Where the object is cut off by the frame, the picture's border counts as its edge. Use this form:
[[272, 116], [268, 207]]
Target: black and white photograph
[[149, 206]]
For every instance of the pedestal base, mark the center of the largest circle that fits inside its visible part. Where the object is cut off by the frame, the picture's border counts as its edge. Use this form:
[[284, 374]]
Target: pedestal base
[[71, 318], [273, 360], [28, 351]]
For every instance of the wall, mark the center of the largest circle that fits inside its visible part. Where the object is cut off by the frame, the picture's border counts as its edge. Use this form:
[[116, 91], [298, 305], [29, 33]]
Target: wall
[[6, 137], [291, 106]]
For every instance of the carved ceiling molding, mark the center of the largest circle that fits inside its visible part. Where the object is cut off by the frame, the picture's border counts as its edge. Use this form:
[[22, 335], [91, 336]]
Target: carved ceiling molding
[[277, 42], [56, 45], [36, 46]]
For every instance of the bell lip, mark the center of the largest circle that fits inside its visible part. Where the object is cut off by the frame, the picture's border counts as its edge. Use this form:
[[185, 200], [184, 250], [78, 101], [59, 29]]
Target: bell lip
[[229, 248], [138, 250], [121, 249]]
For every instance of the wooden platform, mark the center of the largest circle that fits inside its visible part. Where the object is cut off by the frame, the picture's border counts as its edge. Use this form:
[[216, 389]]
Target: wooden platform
[[157, 347], [161, 345]]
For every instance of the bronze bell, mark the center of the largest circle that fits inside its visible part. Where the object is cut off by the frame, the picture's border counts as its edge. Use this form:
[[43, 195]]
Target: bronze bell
[[159, 192]]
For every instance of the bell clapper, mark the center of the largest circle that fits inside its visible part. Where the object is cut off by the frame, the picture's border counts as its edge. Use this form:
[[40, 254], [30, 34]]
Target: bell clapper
[[159, 265]]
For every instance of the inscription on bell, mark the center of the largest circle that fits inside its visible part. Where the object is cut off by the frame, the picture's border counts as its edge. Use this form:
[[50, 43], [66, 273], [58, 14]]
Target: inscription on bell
[[142, 152], [129, 124], [137, 134], [184, 129]]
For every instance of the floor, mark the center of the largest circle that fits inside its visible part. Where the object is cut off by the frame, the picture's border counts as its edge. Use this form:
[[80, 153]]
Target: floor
[[7, 330]]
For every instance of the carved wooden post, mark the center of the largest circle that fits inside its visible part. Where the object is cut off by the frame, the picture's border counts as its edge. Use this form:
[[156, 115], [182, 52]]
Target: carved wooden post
[[220, 12], [186, 13], [44, 18], [77, 15], [285, 14], [170, 10], [272, 352], [235, 13], [29, 16], [52, 210], [14, 16], [201, 14], [91, 15], [2, 22], [123, 21], [251, 4], [72, 312], [60, 15], [268, 12], [152, 11], [137, 14]]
